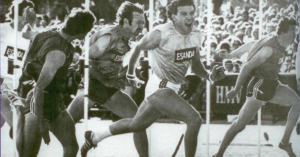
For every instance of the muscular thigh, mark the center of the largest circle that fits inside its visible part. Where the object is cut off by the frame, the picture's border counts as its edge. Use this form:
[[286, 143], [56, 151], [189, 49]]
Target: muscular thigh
[[146, 115], [172, 105], [64, 129], [249, 110], [76, 107], [122, 105], [32, 138], [285, 95]]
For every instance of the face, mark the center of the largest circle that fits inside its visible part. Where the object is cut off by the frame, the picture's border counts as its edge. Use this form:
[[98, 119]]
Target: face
[[255, 33], [184, 19], [137, 23], [290, 35], [29, 16], [245, 17]]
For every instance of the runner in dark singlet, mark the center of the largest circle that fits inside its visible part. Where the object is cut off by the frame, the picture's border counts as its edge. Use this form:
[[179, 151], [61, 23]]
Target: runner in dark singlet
[[108, 76], [50, 56], [264, 61]]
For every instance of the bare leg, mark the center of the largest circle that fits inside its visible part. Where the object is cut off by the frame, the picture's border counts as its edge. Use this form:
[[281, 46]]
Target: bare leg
[[64, 129], [145, 116], [76, 108], [32, 138], [170, 104], [6, 112], [285, 95], [246, 114], [20, 128], [163, 101], [6, 116], [123, 106]]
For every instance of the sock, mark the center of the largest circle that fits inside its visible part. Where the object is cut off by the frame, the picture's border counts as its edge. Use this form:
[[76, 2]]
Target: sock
[[100, 135]]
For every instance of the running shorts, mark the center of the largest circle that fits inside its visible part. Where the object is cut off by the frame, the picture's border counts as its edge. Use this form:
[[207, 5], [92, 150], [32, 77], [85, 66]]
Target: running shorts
[[261, 89], [53, 105], [98, 92], [155, 83]]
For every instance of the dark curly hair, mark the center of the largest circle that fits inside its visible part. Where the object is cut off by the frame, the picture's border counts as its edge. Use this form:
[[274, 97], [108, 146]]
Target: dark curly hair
[[284, 25], [79, 22], [125, 11], [172, 8]]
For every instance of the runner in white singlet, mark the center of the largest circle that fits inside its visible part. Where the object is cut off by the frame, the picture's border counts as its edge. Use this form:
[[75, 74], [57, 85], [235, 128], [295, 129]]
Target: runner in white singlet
[[175, 46]]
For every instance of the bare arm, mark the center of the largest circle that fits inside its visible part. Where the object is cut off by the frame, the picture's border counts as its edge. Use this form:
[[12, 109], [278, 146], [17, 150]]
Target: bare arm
[[241, 50], [96, 50], [257, 60], [197, 66], [148, 42], [99, 47], [54, 60]]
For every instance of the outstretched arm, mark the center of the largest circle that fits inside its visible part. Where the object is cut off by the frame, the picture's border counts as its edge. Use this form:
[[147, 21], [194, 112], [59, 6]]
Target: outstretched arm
[[148, 42], [258, 59], [241, 50]]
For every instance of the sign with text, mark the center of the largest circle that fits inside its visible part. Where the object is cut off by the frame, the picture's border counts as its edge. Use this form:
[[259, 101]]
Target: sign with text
[[9, 52]]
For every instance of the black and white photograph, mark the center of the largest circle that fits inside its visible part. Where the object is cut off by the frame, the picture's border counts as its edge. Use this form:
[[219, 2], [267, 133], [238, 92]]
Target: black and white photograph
[[150, 78]]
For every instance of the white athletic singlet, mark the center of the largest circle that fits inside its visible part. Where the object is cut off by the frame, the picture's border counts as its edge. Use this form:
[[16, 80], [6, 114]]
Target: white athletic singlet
[[7, 51], [171, 60], [175, 52]]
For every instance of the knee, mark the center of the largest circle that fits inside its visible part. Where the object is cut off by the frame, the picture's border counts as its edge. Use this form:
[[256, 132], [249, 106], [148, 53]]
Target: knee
[[136, 127], [195, 122], [238, 127]]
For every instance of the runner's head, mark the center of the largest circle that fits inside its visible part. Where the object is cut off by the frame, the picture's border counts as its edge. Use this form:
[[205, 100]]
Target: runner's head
[[286, 30], [25, 11], [130, 16], [181, 12], [79, 23]]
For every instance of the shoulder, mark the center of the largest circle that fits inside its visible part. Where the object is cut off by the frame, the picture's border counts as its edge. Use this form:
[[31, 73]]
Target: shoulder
[[56, 57], [165, 27]]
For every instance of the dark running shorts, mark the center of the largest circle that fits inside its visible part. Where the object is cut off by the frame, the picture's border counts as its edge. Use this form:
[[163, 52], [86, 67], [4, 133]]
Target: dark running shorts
[[53, 105], [261, 89], [98, 92]]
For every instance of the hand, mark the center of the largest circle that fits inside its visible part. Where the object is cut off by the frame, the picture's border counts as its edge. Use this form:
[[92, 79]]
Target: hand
[[44, 127], [217, 73], [134, 81], [232, 93]]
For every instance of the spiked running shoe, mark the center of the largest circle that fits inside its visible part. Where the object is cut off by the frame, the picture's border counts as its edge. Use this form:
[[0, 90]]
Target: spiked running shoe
[[287, 148], [88, 144]]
